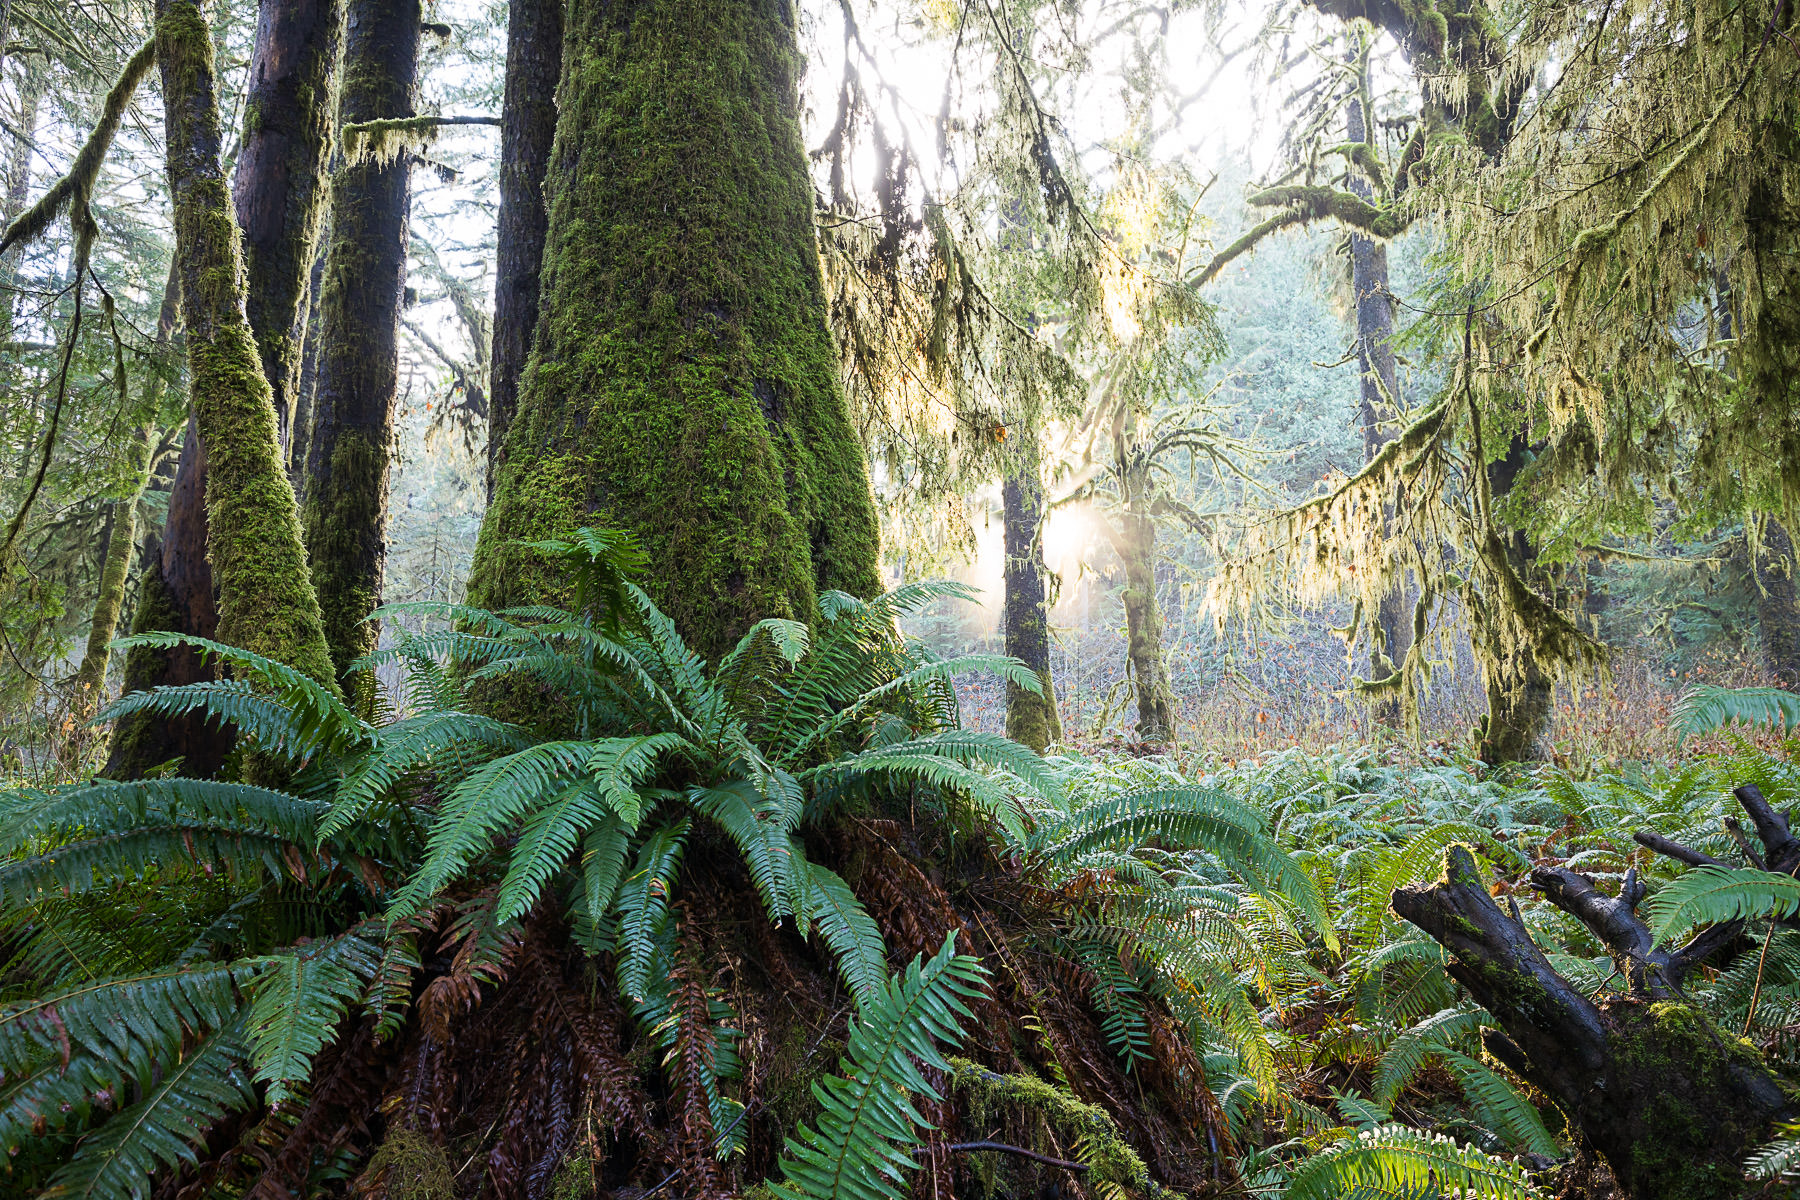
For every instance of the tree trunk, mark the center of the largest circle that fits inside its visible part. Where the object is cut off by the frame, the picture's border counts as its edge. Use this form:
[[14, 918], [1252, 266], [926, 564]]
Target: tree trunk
[[683, 383], [1379, 386], [309, 377], [121, 525], [1518, 690], [1673, 1105], [177, 588], [527, 130], [359, 348], [266, 603], [1778, 607], [280, 185], [1136, 546], [1031, 719]]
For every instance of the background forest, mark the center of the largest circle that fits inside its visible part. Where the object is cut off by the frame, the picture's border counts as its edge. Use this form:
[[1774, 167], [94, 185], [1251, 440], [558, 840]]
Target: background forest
[[899, 597]]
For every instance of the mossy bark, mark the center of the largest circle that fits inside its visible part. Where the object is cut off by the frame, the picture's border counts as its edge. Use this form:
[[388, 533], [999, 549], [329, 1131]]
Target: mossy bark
[[365, 278], [534, 34], [683, 383], [1778, 607], [265, 600], [1135, 543], [1030, 718], [1379, 387], [1518, 688], [280, 185]]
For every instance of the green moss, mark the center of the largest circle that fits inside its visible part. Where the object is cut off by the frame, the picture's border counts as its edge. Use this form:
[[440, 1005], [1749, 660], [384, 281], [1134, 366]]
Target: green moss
[[684, 382], [412, 1167], [1112, 1163], [344, 516]]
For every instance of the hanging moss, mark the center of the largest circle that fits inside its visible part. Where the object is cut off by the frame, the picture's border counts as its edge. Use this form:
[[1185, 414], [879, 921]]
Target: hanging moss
[[684, 383], [266, 600]]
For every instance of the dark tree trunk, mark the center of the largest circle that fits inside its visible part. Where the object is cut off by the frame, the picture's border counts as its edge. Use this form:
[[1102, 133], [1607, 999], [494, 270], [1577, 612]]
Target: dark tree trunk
[[359, 347], [280, 186], [683, 383], [1778, 607], [527, 130], [1673, 1104], [1379, 388], [1031, 719], [1518, 689]]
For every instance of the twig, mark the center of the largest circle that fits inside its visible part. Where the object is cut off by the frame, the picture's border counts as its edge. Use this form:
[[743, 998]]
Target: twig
[[1004, 1148]]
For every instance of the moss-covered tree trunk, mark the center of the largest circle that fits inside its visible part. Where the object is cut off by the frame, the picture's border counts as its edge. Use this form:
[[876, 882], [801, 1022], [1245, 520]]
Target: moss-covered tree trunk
[[1135, 543], [278, 193], [265, 601], [534, 32], [1030, 718], [1778, 607], [359, 331], [1379, 388], [683, 383], [280, 185], [309, 376], [1518, 689], [121, 524]]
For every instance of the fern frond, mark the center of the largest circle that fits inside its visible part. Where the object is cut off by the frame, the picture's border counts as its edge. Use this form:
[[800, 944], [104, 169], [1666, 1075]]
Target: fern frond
[[1408, 1054], [1499, 1106], [861, 1147], [451, 742], [1705, 708], [119, 1160], [311, 718], [855, 939], [644, 906], [1394, 1160], [1708, 895], [297, 1003]]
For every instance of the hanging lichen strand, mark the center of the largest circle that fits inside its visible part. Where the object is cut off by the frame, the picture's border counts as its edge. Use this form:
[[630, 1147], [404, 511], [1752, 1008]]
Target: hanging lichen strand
[[683, 383], [365, 273], [266, 601]]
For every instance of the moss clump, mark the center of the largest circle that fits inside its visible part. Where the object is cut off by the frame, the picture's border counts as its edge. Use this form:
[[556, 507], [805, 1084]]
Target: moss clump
[[684, 382], [1111, 1163], [1690, 1132], [410, 1166]]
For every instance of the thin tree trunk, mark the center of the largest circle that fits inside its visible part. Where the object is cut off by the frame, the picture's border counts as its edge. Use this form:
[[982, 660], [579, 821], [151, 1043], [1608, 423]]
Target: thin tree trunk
[[527, 131], [1518, 690], [683, 383], [266, 603], [1778, 607], [280, 185], [1031, 719], [1136, 546], [121, 525], [359, 348], [309, 376], [1380, 390]]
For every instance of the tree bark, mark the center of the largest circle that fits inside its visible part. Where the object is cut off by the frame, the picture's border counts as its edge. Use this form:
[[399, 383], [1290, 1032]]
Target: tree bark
[[1379, 388], [274, 192], [1136, 546], [121, 524], [534, 33], [280, 185], [265, 602], [1778, 607], [1673, 1105], [1518, 690], [1030, 719], [309, 377], [365, 278], [683, 383]]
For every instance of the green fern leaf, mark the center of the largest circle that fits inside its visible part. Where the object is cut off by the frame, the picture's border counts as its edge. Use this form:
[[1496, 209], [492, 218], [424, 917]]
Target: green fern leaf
[[1394, 1160], [1708, 895]]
